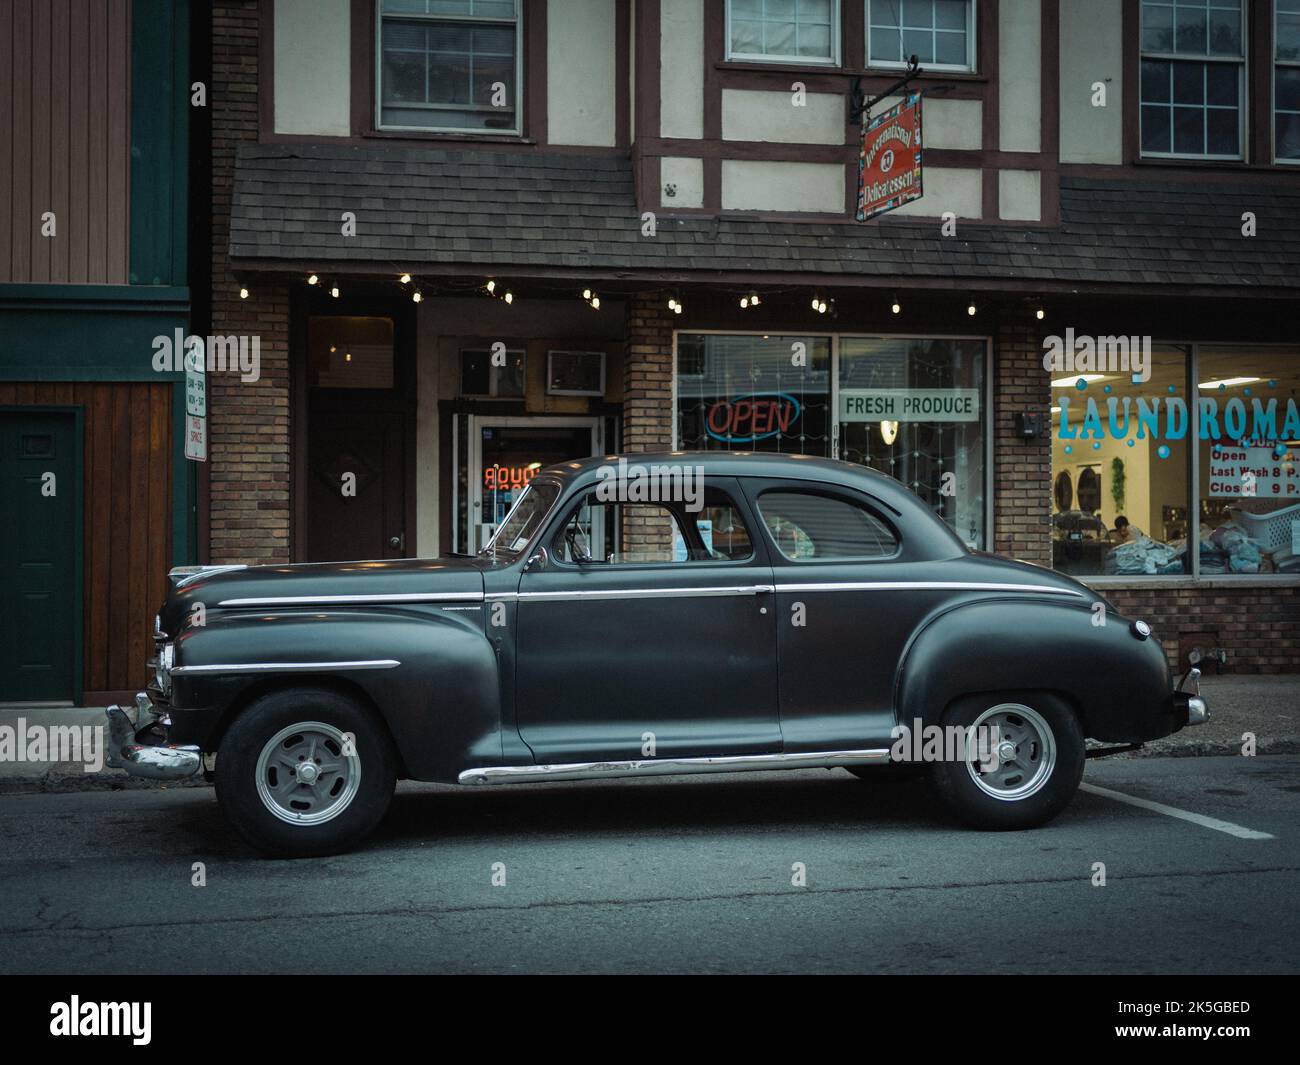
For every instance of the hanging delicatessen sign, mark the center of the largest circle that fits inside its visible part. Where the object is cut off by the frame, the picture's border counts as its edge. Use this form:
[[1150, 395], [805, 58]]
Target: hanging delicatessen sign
[[889, 163]]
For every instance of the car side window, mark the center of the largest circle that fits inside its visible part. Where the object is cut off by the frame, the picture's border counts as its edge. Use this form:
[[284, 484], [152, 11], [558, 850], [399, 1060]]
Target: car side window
[[721, 529], [609, 533], [806, 526], [617, 533]]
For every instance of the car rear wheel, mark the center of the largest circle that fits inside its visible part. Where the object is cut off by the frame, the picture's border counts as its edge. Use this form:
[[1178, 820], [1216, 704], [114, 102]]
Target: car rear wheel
[[1022, 762], [305, 771]]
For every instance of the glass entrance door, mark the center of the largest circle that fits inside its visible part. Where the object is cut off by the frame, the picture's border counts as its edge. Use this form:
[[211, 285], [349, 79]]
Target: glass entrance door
[[506, 454]]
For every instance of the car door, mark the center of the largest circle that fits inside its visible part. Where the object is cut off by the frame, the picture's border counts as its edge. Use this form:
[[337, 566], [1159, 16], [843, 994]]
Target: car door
[[662, 645], [844, 610]]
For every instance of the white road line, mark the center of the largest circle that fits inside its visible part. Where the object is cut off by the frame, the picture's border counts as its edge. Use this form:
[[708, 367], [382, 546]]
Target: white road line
[[1185, 815]]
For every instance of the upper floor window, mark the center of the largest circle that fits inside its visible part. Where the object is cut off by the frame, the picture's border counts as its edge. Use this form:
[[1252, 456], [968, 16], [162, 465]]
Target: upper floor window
[[940, 33], [1286, 83], [1193, 78], [450, 66], [799, 31]]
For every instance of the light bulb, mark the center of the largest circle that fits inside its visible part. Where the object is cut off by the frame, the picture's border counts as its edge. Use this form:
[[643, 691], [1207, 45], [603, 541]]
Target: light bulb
[[406, 279], [312, 279], [509, 296]]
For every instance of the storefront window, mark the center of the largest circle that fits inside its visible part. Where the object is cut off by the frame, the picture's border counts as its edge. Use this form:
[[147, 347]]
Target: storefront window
[[914, 409], [1121, 468], [754, 393], [1249, 446]]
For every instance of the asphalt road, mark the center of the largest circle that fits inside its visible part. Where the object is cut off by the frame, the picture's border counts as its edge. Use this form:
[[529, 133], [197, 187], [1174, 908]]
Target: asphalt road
[[673, 875]]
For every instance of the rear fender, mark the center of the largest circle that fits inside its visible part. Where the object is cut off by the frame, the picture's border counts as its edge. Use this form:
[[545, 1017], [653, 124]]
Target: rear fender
[[1118, 684]]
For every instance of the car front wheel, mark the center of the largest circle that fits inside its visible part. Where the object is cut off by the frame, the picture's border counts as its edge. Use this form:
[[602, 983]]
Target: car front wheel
[[1021, 764], [304, 772]]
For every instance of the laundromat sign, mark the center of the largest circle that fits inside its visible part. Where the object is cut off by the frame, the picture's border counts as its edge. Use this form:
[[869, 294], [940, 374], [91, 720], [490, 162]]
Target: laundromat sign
[[746, 419], [909, 404]]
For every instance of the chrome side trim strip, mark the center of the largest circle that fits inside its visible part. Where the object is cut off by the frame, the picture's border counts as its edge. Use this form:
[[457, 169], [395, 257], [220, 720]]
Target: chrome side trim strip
[[346, 600], [525, 774], [289, 667], [896, 586], [644, 593]]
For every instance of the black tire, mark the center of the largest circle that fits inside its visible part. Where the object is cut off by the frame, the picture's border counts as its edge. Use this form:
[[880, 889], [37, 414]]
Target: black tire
[[1052, 786], [349, 814]]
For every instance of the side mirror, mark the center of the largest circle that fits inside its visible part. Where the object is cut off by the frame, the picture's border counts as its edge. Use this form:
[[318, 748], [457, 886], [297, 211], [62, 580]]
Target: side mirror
[[537, 560]]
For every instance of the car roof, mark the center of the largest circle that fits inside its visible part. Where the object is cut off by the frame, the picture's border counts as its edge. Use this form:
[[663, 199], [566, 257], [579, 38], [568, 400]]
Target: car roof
[[740, 464]]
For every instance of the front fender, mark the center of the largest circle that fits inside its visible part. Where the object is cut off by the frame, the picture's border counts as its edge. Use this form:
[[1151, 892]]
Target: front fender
[[441, 702], [1119, 684]]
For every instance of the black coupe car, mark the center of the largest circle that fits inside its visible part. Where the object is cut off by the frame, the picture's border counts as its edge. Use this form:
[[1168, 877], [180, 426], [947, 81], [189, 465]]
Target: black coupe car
[[656, 614]]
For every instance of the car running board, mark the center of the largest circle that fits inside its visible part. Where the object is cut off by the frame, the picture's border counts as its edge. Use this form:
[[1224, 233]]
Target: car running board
[[658, 767]]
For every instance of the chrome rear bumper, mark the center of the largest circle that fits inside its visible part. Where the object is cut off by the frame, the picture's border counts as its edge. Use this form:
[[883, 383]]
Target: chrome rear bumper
[[153, 761]]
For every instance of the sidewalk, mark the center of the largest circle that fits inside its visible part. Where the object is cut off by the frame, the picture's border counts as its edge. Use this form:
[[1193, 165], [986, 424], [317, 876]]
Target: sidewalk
[[1268, 706]]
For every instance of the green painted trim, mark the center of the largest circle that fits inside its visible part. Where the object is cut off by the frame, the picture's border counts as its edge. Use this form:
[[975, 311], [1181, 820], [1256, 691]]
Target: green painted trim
[[124, 298], [159, 141], [184, 487], [99, 344], [78, 413]]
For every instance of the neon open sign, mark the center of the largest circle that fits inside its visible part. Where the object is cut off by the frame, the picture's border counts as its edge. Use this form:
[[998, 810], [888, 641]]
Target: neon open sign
[[749, 418]]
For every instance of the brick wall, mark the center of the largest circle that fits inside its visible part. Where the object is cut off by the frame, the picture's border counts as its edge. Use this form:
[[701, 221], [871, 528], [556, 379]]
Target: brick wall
[[1022, 469], [1258, 627], [248, 422], [648, 374]]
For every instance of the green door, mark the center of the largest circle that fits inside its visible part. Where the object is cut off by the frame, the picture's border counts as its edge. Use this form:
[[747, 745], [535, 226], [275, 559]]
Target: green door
[[41, 489]]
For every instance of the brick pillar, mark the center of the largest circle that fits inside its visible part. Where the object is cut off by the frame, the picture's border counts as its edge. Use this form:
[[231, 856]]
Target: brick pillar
[[648, 375], [1022, 469], [647, 414], [248, 421]]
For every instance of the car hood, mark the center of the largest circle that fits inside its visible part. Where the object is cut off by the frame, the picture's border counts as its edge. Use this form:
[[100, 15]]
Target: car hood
[[380, 577]]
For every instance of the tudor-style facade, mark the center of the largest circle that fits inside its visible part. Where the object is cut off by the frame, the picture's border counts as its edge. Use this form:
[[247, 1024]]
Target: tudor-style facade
[[602, 162]]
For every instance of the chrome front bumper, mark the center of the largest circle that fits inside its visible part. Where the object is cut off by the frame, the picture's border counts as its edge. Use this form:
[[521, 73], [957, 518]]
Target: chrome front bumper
[[153, 761]]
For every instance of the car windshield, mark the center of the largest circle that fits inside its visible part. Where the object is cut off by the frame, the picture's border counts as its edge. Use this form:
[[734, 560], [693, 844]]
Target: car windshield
[[523, 521]]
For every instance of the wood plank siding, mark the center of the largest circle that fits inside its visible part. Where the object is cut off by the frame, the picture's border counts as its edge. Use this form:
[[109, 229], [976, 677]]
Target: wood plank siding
[[65, 140], [126, 508]]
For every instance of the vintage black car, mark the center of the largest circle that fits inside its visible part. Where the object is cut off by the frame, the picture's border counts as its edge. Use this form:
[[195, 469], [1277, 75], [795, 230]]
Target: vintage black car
[[658, 614]]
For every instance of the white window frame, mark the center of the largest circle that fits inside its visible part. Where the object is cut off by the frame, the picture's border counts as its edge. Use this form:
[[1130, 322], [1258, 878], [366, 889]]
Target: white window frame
[[834, 60], [464, 131], [1243, 83], [1290, 64], [972, 47]]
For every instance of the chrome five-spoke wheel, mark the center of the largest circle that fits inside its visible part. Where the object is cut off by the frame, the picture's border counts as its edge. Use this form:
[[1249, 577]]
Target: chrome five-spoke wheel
[[308, 773], [1010, 751]]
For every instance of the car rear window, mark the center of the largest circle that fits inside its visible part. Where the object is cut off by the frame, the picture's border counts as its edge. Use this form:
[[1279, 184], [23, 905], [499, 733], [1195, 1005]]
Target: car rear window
[[807, 526]]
